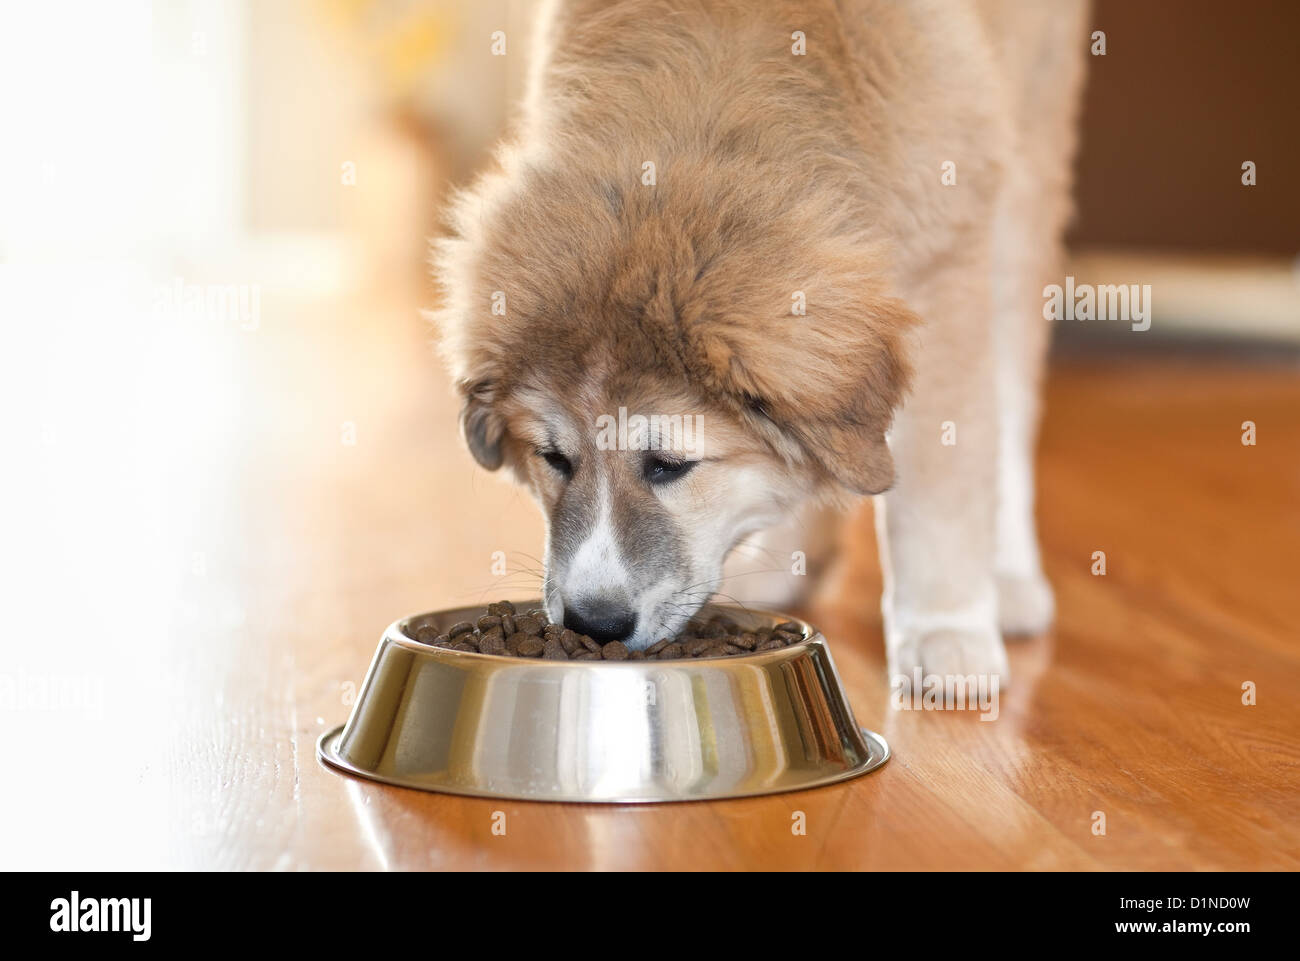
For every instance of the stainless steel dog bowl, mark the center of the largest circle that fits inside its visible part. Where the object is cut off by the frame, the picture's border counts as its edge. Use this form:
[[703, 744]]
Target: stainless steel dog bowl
[[602, 731]]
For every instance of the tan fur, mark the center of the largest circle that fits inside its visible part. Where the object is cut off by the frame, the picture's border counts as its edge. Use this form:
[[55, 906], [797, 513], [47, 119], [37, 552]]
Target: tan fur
[[775, 173]]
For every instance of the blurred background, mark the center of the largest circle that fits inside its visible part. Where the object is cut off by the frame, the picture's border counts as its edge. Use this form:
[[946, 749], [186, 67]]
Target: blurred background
[[230, 446]]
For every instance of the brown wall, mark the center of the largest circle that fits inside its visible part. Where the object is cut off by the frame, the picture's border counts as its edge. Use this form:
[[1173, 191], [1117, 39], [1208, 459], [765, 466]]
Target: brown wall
[[1188, 90]]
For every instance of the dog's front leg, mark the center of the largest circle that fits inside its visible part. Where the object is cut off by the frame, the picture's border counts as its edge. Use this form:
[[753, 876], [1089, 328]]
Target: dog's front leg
[[936, 527]]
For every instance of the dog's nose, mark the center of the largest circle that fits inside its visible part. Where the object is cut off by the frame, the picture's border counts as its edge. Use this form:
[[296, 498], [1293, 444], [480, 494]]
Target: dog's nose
[[601, 622]]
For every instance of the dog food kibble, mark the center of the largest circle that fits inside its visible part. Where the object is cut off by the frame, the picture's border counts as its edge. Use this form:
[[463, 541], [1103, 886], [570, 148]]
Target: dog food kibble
[[614, 651], [492, 642], [504, 632]]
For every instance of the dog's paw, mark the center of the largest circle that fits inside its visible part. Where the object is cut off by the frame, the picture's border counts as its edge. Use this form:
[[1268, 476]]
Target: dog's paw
[[1025, 604], [950, 653]]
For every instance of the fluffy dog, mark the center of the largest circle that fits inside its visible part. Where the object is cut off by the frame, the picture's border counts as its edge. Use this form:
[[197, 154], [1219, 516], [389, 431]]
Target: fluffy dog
[[819, 233]]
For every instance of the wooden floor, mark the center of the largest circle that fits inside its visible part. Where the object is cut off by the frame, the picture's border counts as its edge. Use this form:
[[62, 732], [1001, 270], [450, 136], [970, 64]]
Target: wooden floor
[[223, 558]]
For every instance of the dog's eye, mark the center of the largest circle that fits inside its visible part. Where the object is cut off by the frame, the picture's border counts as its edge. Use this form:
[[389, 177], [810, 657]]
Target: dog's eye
[[561, 464], [659, 470]]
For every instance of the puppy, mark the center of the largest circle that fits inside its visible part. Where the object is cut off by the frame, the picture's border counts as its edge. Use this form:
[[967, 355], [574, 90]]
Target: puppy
[[815, 232]]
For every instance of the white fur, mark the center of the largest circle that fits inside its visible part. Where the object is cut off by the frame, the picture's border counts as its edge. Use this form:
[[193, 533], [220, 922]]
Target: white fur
[[596, 567]]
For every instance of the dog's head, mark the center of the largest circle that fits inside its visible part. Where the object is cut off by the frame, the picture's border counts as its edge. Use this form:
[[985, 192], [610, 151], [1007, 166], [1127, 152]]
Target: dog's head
[[667, 371]]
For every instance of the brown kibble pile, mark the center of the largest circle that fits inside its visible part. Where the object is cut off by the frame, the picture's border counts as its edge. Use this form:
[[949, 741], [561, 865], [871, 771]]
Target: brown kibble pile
[[506, 632]]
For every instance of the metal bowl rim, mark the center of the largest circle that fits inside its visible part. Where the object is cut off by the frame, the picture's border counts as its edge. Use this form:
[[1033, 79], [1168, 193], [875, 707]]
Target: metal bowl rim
[[394, 634]]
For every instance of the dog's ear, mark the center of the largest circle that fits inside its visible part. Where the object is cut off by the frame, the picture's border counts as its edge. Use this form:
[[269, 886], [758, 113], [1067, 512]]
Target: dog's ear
[[857, 456], [842, 430], [851, 449], [824, 387], [482, 425]]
